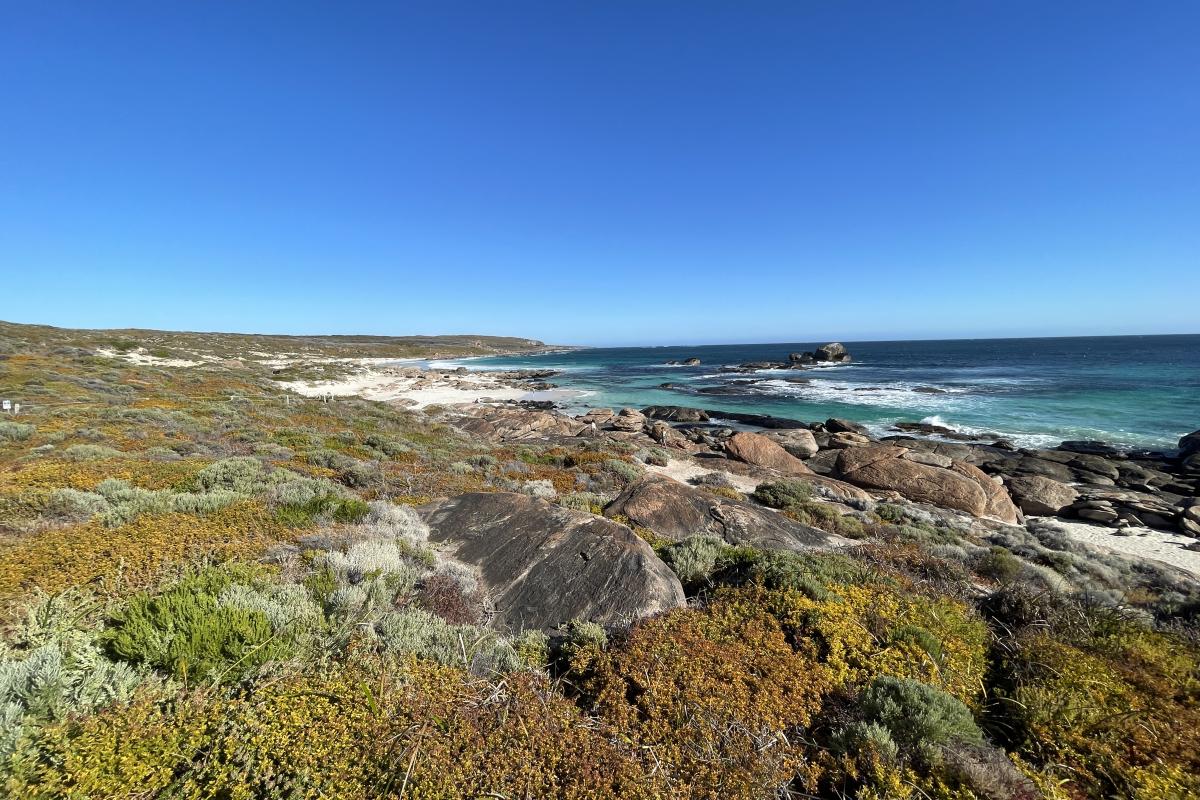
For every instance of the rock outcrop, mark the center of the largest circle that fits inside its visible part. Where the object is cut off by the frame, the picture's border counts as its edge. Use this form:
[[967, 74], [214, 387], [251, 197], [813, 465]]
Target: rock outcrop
[[797, 441], [834, 351], [960, 486], [597, 416], [758, 450], [1040, 496], [628, 419], [676, 413], [676, 511], [542, 565], [503, 424]]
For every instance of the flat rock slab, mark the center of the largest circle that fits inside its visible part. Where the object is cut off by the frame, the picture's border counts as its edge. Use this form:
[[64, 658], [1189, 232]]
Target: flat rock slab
[[760, 451], [543, 565], [959, 486], [676, 511]]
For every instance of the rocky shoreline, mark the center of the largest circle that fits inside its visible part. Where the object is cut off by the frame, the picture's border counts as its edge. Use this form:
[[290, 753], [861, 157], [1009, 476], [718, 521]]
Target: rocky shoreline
[[1088, 482]]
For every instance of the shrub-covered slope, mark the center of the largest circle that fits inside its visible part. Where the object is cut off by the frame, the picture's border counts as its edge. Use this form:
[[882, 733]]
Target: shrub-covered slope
[[214, 592]]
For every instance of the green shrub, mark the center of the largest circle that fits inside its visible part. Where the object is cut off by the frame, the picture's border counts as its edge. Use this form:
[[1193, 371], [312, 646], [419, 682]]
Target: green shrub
[[329, 507], [1000, 565], [922, 637], [91, 452], [827, 518], [583, 501], [188, 632], [15, 431], [919, 717], [627, 472], [809, 573], [782, 494], [532, 648], [73, 505], [584, 635], [694, 559]]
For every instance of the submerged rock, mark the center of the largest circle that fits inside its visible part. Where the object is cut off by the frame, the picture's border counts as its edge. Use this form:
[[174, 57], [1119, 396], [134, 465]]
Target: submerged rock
[[542, 565]]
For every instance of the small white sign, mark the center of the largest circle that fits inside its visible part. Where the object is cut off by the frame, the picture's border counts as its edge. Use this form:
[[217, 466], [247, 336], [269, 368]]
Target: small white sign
[[6, 405]]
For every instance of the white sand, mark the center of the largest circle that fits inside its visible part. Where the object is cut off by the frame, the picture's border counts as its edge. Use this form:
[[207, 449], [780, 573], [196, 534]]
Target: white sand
[[1145, 543], [140, 356], [421, 390]]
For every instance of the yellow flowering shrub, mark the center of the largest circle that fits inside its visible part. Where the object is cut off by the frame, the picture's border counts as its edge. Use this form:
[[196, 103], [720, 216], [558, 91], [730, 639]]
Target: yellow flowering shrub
[[1109, 720], [128, 751], [862, 630], [134, 555], [86, 475], [714, 698]]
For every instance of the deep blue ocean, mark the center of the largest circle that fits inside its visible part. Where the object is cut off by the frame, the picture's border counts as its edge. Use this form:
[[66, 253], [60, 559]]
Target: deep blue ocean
[[1140, 391]]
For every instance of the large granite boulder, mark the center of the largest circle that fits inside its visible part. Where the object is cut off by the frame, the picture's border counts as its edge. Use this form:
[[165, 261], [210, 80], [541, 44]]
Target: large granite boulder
[[667, 436], [961, 486], [1189, 453], [597, 416], [676, 413], [1043, 497], [543, 565], [797, 441], [758, 450], [629, 419], [837, 425], [676, 511], [834, 351]]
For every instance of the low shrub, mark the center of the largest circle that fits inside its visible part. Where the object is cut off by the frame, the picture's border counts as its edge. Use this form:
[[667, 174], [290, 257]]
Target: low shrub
[[694, 559], [91, 452], [425, 635], [583, 501], [188, 632], [52, 667], [328, 507], [72, 505], [15, 431], [782, 494], [627, 472], [714, 701], [920, 718], [999, 565]]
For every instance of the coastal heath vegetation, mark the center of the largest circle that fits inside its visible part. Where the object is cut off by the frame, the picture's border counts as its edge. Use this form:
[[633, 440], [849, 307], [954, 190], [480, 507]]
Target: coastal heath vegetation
[[214, 591]]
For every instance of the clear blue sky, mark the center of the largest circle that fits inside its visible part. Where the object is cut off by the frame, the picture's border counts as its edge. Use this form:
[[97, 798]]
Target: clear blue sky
[[609, 172]]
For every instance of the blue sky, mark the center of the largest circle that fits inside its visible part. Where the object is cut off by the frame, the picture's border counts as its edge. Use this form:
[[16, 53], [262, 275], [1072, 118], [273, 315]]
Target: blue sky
[[607, 172]]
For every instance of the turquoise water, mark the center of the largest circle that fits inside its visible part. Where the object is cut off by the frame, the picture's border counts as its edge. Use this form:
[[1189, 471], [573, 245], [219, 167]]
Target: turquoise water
[[1141, 391]]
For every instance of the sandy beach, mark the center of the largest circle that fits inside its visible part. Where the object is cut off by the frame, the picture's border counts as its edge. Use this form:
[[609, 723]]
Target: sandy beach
[[1148, 543], [416, 388]]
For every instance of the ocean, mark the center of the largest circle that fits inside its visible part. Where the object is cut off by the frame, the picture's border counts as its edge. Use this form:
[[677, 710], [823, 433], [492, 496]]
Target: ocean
[[1138, 391]]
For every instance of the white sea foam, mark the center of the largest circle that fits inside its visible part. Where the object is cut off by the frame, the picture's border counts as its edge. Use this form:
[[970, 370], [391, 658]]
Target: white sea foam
[[895, 395]]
